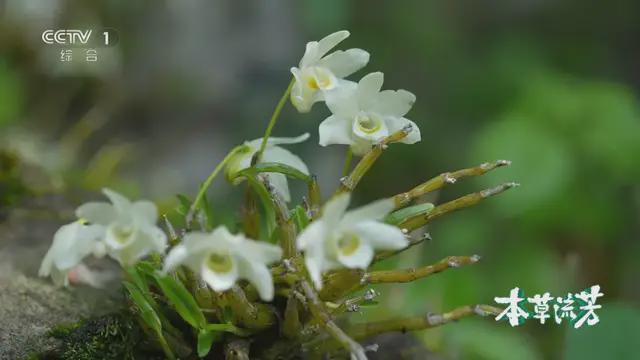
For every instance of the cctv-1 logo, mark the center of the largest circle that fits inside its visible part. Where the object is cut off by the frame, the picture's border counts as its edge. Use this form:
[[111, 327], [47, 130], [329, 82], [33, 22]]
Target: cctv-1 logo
[[66, 37]]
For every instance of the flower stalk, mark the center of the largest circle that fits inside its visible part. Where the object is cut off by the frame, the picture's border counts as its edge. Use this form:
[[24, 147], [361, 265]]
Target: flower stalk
[[274, 118], [349, 183]]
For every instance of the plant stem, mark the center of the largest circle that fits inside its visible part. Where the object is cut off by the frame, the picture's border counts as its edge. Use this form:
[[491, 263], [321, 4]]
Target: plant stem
[[347, 162], [321, 315], [314, 198], [443, 179], [250, 214], [408, 275], [350, 182], [207, 183], [453, 205], [412, 242], [273, 120], [286, 227], [291, 325], [363, 331]]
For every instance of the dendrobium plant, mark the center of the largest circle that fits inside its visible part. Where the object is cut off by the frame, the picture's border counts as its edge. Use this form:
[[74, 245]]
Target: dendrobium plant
[[130, 231], [363, 115], [222, 258], [241, 160], [272, 286], [348, 239], [319, 73], [71, 244]]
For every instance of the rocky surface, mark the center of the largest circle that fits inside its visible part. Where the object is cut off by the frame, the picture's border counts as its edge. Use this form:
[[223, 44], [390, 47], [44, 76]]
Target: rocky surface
[[30, 306]]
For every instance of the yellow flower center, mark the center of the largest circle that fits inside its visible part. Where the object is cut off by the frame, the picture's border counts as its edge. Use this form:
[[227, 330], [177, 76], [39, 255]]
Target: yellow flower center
[[312, 83], [368, 124], [122, 233], [348, 244], [319, 78], [219, 263]]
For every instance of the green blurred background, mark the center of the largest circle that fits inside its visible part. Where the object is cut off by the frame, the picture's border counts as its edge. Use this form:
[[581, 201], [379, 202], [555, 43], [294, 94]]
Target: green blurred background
[[551, 85]]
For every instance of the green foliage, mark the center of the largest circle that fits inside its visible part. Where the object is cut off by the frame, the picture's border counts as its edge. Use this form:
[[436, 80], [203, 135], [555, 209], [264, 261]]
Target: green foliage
[[482, 340], [11, 94], [615, 337], [205, 341], [182, 300], [265, 199], [12, 188], [147, 312], [300, 217], [267, 167]]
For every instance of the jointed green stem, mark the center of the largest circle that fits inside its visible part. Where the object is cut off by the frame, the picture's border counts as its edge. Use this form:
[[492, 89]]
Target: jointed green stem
[[207, 183], [408, 275], [443, 179], [320, 314], [454, 205], [366, 330], [349, 183], [347, 162], [274, 119]]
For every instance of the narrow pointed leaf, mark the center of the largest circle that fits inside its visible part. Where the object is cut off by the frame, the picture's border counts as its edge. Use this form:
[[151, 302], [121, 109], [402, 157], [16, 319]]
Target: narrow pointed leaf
[[282, 169], [205, 341], [300, 217], [265, 199], [147, 313], [182, 300]]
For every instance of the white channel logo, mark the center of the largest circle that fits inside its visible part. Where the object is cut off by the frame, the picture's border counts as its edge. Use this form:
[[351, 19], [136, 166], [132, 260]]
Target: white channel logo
[[64, 37]]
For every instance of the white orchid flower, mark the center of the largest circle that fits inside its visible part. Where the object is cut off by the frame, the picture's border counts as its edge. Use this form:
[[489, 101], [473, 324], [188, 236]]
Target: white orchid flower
[[222, 258], [343, 238], [318, 73], [130, 227], [363, 115], [272, 153], [71, 244]]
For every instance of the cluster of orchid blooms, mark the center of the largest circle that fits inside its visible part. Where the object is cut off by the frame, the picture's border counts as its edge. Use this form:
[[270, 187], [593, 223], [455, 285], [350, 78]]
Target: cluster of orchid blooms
[[364, 117]]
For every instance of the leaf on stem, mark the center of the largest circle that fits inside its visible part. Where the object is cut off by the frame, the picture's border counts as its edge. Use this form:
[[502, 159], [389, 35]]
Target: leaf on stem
[[267, 167], [182, 300], [401, 215]]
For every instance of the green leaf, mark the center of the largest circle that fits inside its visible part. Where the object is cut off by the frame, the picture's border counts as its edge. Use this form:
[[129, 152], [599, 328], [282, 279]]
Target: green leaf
[[205, 341], [184, 205], [205, 206], [182, 300], [399, 216], [282, 169], [147, 313], [137, 278], [227, 328], [300, 217], [265, 199]]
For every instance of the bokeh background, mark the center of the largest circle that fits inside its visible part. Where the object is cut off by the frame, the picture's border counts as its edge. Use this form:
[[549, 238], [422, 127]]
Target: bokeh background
[[551, 85]]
